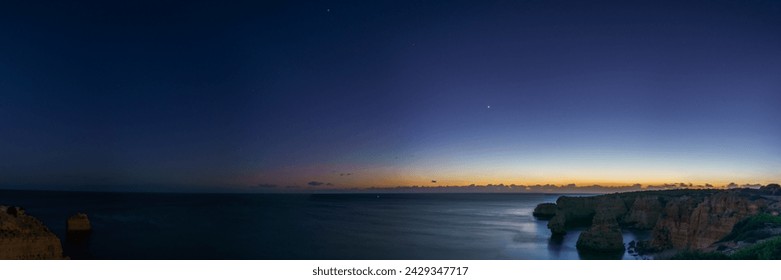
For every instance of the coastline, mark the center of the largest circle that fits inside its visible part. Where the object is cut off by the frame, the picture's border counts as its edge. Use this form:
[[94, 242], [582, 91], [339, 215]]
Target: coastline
[[635, 214], [683, 223]]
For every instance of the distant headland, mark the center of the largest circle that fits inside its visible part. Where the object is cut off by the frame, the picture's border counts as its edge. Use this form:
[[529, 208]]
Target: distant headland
[[496, 188]]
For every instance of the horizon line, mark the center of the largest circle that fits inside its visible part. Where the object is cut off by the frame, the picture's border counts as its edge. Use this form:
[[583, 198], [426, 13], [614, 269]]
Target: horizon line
[[472, 188]]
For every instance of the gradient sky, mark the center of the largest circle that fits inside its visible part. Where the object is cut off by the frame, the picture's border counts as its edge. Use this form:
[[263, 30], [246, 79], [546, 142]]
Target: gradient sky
[[186, 94]]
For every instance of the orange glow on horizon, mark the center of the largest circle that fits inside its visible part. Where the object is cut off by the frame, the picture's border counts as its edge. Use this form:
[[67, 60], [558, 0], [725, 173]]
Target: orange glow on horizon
[[389, 182], [366, 176]]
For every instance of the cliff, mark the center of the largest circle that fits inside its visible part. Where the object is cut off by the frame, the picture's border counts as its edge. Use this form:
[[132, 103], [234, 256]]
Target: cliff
[[25, 237], [684, 220]]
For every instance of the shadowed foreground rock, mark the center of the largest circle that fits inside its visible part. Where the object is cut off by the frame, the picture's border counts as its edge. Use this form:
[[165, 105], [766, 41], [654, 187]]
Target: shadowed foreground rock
[[604, 235], [25, 237], [545, 211], [77, 236]]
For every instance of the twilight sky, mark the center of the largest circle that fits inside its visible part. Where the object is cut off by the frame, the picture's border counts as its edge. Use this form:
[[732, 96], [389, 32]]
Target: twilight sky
[[191, 94]]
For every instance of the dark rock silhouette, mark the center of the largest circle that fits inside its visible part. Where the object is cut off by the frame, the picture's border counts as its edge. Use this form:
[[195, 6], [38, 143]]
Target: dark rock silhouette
[[545, 211], [25, 237], [604, 235], [771, 189], [79, 230]]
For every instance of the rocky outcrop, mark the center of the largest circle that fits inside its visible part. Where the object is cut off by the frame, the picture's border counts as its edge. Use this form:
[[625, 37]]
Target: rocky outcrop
[[77, 236], [79, 223], [572, 212], [545, 211], [604, 234], [693, 225], [755, 229], [679, 219], [25, 237], [644, 212], [580, 211]]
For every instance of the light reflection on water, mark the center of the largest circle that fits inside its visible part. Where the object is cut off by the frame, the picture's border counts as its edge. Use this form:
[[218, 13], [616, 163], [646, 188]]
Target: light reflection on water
[[325, 226]]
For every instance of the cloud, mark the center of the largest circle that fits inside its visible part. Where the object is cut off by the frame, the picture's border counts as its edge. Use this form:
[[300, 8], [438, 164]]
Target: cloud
[[267, 186], [345, 174], [316, 183]]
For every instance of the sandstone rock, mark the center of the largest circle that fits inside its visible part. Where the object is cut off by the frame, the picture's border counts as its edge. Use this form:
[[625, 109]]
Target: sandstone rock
[[695, 223], [572, 212], [604, 235], [545, 210], [679, 219], [580, 211], [79, 223], [25, 237], [671, 231], [644, 212]]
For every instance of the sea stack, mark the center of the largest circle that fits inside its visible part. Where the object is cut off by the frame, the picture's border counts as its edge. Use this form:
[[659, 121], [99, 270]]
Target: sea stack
[[604, 235], [79, 223], [23, 237]]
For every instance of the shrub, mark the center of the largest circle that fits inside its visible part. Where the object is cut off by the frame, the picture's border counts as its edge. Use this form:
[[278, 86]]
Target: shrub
[[746, 229], [768, 250]]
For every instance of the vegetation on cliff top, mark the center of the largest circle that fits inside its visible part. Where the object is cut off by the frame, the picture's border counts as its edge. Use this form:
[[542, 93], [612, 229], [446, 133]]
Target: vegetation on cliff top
[[767, 250], [751, 229]]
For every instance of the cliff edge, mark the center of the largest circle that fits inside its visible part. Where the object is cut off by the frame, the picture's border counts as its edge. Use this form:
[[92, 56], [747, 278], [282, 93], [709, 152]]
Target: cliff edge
[[25, 237], [680, 220]]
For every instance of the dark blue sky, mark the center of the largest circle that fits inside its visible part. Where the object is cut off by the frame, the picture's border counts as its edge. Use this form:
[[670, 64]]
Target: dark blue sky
[[192, 94]]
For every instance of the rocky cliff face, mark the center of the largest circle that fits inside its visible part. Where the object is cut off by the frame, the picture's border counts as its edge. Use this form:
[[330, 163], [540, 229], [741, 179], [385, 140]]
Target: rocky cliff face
[[572, 212], [25, 237], [644, 212], [679, 219], [696, 224], [604, 234]]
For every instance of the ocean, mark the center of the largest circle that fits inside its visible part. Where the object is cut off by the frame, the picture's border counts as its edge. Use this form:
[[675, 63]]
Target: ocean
[[304, 226]]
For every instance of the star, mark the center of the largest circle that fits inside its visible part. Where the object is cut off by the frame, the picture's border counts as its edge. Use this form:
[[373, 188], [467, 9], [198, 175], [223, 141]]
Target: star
[[489, 106]]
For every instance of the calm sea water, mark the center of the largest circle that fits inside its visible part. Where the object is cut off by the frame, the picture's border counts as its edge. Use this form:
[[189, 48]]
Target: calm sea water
[[303, 226]]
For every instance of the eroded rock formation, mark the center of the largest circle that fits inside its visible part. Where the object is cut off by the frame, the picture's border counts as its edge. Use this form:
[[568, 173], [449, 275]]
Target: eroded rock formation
[[696, 224], [644, 212], [604, 234], [679, 219], [25, 237]]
